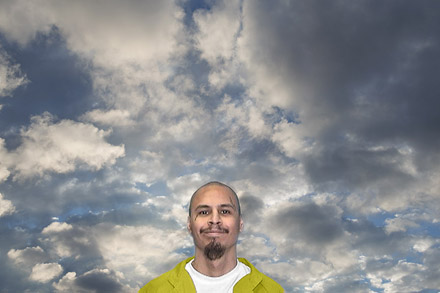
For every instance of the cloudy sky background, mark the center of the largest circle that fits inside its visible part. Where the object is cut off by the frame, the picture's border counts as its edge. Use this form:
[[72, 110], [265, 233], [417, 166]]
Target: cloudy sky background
[[323, 115]]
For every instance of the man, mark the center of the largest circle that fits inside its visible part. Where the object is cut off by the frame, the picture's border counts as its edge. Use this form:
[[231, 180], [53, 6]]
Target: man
[[214, 222]]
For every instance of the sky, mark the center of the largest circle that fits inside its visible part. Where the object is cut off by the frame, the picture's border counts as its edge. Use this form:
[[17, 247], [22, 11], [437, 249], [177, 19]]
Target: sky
[[322, 115]]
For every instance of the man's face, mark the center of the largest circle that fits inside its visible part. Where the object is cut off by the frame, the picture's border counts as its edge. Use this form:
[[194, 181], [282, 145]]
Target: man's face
[[214, 218]]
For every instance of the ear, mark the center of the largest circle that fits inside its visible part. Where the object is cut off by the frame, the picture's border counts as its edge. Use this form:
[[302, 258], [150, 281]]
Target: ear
[[188, 224], [241, 224]]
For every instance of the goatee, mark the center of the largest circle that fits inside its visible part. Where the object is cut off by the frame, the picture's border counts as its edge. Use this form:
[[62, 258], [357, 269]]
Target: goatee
[[214, 250]]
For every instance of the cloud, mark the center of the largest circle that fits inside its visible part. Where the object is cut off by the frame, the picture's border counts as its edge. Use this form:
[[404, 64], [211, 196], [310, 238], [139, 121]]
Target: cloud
[[145, 28], [398, 224], [64, 240], [21, 20], [218, 47], [322, 116], [57, 227], [60, 147], [97, 280], [316, 225], [11, 76], [401, 276], [251, 207], [123, 249], [423, 245], [45, 272], [112, 117], [348, 128], [4, 172], [6, 206], [290, 138], [28, 257]]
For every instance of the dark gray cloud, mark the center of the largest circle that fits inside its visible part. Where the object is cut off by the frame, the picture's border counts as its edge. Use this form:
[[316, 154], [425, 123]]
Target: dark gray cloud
[[366, 68], [317, 225], [251, 208], [371, 239], [98, 281], [347, 284], [356, 168]]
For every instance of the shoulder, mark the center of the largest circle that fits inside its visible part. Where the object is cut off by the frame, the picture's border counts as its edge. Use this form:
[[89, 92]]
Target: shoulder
[[261, 282], [158, 284], [270, 285], [167, 281]]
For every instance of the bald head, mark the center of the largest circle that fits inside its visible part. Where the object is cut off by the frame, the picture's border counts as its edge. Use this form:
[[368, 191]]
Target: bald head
[[215, 183]]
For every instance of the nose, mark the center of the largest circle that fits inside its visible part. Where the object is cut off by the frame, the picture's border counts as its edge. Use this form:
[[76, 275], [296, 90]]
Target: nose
[[215, 218]]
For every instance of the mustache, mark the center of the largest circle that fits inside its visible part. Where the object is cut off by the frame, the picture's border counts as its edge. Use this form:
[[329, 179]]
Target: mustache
[[214, 229]]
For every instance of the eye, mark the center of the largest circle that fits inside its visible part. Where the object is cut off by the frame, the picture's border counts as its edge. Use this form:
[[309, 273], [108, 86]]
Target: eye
[[203, 212], [225, 212]]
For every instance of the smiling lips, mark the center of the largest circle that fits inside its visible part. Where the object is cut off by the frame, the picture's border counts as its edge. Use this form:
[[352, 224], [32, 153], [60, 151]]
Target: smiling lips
[[215, 231]]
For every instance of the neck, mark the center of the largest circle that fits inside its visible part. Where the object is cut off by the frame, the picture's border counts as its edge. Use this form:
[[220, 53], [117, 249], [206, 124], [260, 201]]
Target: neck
[[215, 268]]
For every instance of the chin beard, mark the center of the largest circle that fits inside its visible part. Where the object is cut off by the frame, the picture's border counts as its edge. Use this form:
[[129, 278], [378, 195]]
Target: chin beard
[[214, 250]]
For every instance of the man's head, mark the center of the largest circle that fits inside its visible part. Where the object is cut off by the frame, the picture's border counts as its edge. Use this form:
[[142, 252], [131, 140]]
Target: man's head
[[215, 219], [215, 183]]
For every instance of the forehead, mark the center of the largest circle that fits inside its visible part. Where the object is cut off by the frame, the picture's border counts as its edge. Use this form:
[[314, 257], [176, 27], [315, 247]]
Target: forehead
[[214, 195]]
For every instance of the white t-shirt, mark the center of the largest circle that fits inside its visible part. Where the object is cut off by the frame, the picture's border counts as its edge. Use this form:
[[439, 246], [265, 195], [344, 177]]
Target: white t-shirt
[[222, 284]]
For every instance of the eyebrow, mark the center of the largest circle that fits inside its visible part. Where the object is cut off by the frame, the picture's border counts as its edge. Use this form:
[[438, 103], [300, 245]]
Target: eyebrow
[[228, 205], [225, 205], [202, 207]]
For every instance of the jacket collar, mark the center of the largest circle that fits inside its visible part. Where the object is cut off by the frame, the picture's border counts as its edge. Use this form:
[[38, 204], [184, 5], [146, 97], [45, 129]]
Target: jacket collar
[[180, 279], [251, 280], [182, 282]]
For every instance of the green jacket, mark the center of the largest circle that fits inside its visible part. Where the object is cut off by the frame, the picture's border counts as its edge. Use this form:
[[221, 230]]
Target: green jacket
[[178, 280]]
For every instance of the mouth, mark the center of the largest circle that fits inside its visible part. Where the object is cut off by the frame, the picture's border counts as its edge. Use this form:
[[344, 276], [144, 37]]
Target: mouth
[[214, 232]]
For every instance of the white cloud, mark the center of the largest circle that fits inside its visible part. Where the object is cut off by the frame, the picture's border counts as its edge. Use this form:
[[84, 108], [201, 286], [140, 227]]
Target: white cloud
[[4, 173], [302, 272], [264, 78], [184, 186], [403, 276], [128, 43], [61, 147], [45, 272], [124, 249], [216, 44], [66, 240], [6, 207], [235, 115], [399, 224], [147, 168], [111, 32], [4, 161], [422, 245], [111, 117], [28, 257], [146, 29], [21, 20], [130, 87], [67, 283], [132, 254], [290, 138], [11, 76], [57, 227], [255, 247]]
